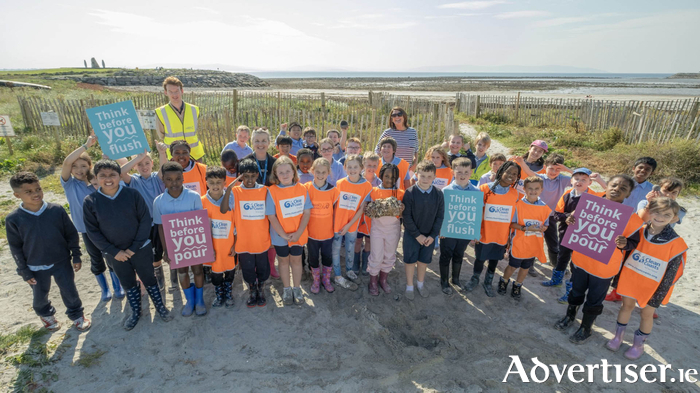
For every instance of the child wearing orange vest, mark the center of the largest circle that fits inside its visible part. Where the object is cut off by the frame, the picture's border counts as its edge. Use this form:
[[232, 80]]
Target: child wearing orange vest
[[529, 223], [284, 145], [387, 151], [229, 160], [323, 197], [194, 173], [650, 273], [591, 279], [385, 231], [500, 197], [352, 191], [443, 175], [223, 268], [248, 200], [370, 161], [288, 208]]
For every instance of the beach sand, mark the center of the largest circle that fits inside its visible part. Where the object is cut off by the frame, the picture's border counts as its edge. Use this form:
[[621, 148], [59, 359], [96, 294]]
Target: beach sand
[[346, 341]]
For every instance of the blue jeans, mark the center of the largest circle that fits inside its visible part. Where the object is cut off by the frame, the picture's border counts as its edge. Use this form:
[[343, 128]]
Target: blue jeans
[[350, 238]]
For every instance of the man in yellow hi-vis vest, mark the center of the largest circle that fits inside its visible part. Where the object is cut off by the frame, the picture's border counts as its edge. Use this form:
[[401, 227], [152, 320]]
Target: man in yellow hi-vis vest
[[178, 119]]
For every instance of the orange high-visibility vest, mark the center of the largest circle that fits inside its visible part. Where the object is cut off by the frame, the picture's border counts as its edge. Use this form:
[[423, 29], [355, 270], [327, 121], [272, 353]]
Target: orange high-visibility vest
[[196, 179], [403, 171], [645, 268], [321, 220], [350, 198], [530, 244], [185, 129], [523, 175], [443, 177], [289, 206], [253, 227], [498, 214], [222, 237], [599, 269]]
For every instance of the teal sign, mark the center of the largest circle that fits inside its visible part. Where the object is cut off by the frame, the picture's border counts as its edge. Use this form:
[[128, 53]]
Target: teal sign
[[118, 129], [463, 213]]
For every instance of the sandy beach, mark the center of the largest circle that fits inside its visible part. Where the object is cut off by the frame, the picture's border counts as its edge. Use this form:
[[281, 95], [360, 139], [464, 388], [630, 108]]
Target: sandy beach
[[346, 341]]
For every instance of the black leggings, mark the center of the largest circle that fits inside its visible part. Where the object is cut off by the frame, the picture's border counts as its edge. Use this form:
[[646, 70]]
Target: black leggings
[[140, 263], [220, 278], [452, 250], [326, 250], [97, 260], [255, 267], [479, 266], [563, 258]]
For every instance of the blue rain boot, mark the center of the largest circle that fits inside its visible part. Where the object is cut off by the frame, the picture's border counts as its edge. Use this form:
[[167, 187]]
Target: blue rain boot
[[188, 308], [134, 296], [365, 260], [102, 282], [557, 278], [200, 307], [117, 286], [565, 299]]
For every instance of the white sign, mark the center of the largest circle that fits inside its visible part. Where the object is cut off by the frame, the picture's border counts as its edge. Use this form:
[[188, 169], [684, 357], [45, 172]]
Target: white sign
[[50, 119], [6, 126], [147, 118]]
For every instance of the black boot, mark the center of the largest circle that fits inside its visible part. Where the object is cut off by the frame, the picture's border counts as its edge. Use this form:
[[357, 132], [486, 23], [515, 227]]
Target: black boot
[[228, 294], [503, 286], [446, 289], [155, 293], [473, 282], [515, 291], [261, 294], [134, 297], [568, 319], [488, 288], [456, 269], [219, 301], [444, 273], [253, 296], [584, 332], [207, 274]]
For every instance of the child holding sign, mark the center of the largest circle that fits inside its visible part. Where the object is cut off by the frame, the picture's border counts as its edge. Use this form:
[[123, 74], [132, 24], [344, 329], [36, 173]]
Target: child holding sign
[[591, 278], [223, 268], [650, 284], [529, 223], [288, 209], [194, 173], [385, 230], [75, 179], [119, 224], [500, 197], [178, 199], [253, 229], [352, 191], [452, 249], [323, 197]]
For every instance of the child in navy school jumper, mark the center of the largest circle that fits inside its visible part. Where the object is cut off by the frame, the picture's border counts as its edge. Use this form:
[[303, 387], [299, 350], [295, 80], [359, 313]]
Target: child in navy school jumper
[[422, 219], [43, 241]]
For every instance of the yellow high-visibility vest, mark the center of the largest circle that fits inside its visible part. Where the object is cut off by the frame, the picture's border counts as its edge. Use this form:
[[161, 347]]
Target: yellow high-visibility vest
[[185, 129]]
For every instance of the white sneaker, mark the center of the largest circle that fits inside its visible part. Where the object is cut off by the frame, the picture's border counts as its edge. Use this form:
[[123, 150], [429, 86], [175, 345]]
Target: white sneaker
[[82, 324], [51, 323], [351, 275], [341, 281]]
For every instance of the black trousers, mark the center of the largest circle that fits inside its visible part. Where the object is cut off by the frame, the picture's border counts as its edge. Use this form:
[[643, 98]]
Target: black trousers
[[141, 263], [255, 267], [97, 260], [220, 278], [452, 250], [563, 258], [551, 237], [479, 266], [65, 279], [322, 247], [588, 288]]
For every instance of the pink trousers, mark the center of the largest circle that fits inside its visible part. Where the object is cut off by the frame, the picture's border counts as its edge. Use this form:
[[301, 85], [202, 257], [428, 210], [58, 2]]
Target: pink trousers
[[385, 234]]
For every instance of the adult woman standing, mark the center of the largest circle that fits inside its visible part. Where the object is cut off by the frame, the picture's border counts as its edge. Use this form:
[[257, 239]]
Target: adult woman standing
[[405, 136]]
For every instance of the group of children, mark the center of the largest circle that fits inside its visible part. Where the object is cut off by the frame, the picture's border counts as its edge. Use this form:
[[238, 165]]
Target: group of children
[[317, 197]]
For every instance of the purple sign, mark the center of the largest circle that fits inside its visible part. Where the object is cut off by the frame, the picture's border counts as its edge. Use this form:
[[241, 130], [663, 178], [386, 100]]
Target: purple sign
[[598, 222], [188, 238]]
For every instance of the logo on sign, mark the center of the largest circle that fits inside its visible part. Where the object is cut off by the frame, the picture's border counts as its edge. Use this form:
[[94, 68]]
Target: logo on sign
[[532, 224], [252, 210], [192, 186], [498, 213], [292, 207], [253, 205], [220, 229], [348, 201], [647, 265]]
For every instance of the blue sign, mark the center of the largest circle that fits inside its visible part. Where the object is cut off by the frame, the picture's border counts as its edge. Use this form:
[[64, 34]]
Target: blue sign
[[463, 213], [118, 129]]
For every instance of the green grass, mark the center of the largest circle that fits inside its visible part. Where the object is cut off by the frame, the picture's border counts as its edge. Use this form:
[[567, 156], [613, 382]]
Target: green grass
[[89, 359], [23, 335]]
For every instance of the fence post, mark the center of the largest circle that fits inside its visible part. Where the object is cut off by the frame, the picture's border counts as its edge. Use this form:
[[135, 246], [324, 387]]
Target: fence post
[[9, 145], [235, 107], [369, 95], [477, 112], [323, 112], [279, 103], [458, 103], [517, 107]]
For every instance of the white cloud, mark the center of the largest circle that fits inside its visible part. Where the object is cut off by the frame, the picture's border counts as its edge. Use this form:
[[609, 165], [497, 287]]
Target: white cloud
[[473, 5], [374, 22], [522, 14], [561, 21]]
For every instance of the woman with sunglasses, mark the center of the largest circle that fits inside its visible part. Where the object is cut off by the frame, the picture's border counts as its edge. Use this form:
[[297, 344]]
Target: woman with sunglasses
[[406, 137]]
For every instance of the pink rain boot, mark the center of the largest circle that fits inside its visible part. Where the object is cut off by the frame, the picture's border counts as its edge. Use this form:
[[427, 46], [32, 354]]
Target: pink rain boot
[[316, 273], [616, 341], [637, 348], [326, 280]]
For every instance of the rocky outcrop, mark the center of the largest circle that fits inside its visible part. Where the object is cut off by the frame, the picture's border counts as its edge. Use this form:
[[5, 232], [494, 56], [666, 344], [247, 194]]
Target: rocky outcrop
[[94, 63], [685, 76], [155, 77]]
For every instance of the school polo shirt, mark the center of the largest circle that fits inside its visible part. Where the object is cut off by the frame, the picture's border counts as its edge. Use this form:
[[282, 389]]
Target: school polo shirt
[[76, 191], [149, 188], [270, 210], [337, 173], [240, 151], [296, 143], [165, 204], [638, 194], [553, 189], [455, 186]]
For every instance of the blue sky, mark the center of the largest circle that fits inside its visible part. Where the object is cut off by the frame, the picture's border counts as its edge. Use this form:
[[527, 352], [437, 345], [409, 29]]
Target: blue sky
[[379, 35]]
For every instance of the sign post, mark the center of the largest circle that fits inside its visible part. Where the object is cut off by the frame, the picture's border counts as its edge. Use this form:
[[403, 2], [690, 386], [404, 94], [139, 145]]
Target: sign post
[[7, 131], [188, 238], [598, 222], [118, 129], [463, 214], [50, 119], [148, 122]]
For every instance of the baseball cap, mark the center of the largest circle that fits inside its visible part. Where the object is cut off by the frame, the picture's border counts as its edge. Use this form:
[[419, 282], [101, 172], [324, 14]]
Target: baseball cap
[[585, 171], [343, 123], [541, 144]]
